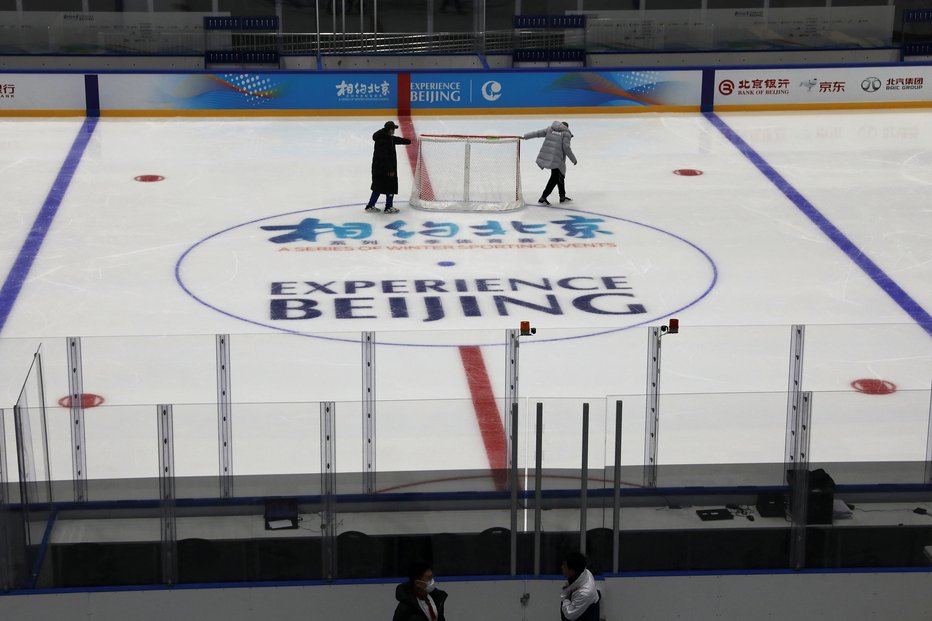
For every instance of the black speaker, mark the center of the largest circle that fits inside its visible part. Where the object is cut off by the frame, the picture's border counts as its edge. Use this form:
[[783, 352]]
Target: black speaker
[[821, 496], [771, 504]]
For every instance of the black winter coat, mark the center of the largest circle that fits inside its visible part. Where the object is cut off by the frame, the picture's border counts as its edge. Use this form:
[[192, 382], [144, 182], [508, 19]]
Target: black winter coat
[[384, 162], [409, 610]]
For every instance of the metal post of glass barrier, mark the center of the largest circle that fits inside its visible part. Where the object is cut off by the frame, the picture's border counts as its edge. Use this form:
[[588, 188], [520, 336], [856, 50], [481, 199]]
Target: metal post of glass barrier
[[929, 443], [430, 21], [512, 353], [368, 412], [25, 462], [800, 485], [317, 22], [794, 396], [652, 414], [616, 492], [538, 480], [333, 27], [584, 480], [169, 545], [224, 415], [513, 484], [40, 378], [76, 389], [328, 519], [6, 541]]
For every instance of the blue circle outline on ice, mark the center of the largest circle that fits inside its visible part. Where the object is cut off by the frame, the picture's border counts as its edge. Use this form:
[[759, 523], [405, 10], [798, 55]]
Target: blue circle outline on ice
[[598, 332], [491, 90]]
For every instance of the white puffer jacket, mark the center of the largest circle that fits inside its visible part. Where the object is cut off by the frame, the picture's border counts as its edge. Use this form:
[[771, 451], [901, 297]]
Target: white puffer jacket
[[576, 598], [556, 146]]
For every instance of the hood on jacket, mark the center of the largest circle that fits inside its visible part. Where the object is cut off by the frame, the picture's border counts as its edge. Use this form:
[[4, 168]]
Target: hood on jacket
[[558, 126], [381, 132]]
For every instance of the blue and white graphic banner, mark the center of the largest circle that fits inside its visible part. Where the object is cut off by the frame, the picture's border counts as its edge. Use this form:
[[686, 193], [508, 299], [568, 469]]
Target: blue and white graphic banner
[[248, 91], [546, 89]]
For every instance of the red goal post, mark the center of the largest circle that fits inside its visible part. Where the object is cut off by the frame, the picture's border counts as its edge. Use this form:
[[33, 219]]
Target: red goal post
[[462, 172]]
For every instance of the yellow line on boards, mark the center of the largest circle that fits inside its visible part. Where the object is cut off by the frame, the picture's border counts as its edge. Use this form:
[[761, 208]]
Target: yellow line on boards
[[39, 113]]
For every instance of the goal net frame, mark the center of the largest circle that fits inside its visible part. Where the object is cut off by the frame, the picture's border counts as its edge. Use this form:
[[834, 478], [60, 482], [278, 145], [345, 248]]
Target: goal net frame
[[422, 190]]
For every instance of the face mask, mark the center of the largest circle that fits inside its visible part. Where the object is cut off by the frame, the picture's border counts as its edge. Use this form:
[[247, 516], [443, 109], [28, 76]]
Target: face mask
[[428, 586]]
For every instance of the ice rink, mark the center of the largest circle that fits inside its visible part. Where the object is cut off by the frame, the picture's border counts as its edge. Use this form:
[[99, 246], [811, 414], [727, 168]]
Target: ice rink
[[256, 229]]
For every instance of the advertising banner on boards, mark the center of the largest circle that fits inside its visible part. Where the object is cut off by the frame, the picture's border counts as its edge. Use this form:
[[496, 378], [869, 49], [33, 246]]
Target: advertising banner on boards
[[823, 87], [61, 93], [248, 92], [491, 91]]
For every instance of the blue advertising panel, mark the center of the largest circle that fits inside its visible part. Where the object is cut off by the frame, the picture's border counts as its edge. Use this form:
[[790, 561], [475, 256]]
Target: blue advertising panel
[[248, 91], [546, 89]]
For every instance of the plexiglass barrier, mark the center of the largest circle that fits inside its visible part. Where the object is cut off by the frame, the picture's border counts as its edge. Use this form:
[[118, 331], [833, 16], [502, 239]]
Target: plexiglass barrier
[[348, 455]]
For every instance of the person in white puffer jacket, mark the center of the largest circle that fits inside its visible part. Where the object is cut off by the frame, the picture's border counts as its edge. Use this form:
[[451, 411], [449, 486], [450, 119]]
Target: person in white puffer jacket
[[553, 156], [579, 600]]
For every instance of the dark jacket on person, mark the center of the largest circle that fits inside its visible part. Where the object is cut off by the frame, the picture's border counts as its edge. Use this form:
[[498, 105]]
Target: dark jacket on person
[[409, 610], [384, 162]]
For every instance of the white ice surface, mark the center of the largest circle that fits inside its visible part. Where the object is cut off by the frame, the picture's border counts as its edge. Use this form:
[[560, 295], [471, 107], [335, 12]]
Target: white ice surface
[[106, 272]]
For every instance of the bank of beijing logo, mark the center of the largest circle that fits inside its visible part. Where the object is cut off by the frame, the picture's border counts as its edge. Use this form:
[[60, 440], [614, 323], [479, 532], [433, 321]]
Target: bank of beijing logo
[[492, 90], [334, 269]]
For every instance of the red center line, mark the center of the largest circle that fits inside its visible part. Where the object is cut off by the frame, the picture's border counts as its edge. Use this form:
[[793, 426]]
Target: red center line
[[490, 422], [480, 386]]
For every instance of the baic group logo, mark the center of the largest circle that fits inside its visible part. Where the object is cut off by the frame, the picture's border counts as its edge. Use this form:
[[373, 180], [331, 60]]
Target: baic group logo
[[871, 85], [337, 269]]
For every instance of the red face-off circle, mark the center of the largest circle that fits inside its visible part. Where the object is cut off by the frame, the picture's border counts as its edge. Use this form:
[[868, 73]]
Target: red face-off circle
[[873, 386], [87, 400], [687, 172], [149, 178]]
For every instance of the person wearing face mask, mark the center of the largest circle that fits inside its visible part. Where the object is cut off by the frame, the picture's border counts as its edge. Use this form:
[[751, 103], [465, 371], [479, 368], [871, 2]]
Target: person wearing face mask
[[419, 599], [579, 600]]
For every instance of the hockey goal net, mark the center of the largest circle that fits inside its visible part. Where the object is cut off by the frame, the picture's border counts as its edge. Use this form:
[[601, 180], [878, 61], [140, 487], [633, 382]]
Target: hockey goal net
[[468, 173]]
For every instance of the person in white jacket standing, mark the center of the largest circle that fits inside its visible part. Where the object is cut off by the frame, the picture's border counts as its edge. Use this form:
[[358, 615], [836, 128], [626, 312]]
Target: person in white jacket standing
[[579, 600], [553, 154]]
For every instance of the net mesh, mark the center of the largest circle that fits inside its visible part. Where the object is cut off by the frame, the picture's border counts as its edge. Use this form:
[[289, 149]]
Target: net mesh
[[468, 173]]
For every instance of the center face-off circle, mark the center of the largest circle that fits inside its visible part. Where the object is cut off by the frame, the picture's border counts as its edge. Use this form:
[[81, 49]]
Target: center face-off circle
[[339, 269]]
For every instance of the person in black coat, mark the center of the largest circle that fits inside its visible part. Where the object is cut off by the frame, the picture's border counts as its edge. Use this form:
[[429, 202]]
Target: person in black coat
[[418, 598], [385, 167]]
